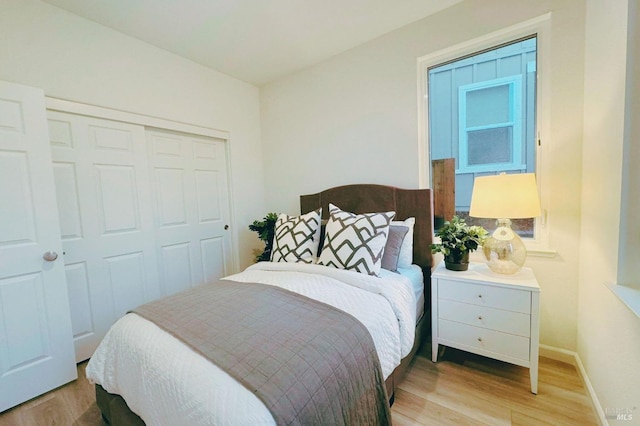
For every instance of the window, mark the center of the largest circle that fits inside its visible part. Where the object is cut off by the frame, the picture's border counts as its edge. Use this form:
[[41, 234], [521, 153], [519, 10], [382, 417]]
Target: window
[[490, 123], [483, 108], [482, 115]]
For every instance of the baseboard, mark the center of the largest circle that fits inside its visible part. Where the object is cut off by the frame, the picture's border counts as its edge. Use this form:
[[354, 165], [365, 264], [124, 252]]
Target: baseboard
[[558, 354], [573, 358]]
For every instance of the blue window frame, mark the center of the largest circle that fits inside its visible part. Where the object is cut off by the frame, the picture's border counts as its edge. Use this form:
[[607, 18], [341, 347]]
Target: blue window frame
[[490, 126]]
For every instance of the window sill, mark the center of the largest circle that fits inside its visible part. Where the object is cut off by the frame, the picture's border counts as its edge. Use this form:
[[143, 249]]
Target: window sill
[[629, 296], [533, 249], [541, 252], [539, 248]]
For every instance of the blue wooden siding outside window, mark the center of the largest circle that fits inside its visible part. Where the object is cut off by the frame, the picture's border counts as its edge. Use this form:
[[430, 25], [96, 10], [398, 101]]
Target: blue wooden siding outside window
[[490, 131]]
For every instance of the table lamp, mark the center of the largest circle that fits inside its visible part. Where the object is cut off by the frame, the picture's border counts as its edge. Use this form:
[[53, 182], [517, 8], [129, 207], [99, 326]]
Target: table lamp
[[504, 197]]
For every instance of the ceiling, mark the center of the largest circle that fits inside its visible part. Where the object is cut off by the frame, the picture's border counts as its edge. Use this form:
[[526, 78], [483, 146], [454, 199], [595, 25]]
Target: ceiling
[[254, 40]]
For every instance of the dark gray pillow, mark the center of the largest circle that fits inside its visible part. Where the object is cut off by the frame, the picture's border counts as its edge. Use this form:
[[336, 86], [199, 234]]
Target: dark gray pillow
[[392, 248]]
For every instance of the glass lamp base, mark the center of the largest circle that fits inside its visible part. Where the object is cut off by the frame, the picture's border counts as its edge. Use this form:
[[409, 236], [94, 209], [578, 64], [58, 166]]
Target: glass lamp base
[[504, 250]]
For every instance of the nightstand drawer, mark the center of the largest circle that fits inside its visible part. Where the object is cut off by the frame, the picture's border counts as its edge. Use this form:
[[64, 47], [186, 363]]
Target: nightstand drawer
[[504, 344], [485, 295], [481, 316]]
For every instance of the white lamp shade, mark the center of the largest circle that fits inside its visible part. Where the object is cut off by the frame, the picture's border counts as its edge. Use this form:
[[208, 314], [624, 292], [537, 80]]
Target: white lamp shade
[[513, 196]]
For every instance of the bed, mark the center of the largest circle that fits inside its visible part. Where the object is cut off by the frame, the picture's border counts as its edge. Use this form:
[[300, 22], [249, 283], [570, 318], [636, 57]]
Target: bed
[[143, 368]]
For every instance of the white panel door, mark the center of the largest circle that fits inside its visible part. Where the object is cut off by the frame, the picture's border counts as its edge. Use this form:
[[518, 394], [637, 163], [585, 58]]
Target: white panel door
[[192, 211], [102, 183], [36, 347]]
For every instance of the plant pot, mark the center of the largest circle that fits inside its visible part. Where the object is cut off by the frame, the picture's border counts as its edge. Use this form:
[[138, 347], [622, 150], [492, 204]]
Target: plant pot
[[457, 262]]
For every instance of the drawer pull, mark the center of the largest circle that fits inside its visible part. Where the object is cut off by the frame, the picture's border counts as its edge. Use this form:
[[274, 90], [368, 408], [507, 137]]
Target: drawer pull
[[479, 339], [480, 296], [480, 317]]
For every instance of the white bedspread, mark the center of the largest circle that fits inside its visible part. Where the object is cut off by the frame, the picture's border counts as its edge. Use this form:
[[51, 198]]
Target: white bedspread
[[166, 383]]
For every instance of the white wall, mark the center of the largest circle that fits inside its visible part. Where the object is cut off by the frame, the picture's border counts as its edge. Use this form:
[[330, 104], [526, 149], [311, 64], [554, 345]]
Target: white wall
[[354, 118], [75, 59], [608, 332]]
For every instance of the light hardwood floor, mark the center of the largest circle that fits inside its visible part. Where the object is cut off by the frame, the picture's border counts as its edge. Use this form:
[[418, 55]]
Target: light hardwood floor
[[461, 389], [467, 389]]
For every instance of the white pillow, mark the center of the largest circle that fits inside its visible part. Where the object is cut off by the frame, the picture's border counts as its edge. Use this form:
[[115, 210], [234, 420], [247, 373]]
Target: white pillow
[[355, 241], [405, 259], [296, 238]]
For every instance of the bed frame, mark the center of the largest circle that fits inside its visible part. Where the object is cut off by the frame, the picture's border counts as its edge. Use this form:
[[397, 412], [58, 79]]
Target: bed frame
[[363, 198]]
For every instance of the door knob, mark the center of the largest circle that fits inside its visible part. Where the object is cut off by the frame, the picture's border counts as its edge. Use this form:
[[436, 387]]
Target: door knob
[[50, 256]]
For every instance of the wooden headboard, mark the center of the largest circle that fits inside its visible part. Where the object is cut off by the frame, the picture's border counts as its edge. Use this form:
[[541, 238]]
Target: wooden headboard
[[368, 198]]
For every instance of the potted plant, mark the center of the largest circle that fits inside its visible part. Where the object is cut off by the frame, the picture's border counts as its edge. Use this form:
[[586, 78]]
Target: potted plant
[[265, 229], [457, 240]]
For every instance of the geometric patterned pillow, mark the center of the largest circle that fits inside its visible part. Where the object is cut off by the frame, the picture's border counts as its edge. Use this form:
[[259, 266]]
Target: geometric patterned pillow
[[296, 238], [355, 241]]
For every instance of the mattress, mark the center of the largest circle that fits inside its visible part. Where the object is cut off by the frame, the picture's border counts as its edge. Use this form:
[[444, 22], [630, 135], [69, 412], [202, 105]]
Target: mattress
[[165, 382]]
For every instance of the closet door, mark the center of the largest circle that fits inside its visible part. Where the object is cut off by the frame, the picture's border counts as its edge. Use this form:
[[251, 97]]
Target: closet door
[[102, 184], [36, 348], [191, 204]]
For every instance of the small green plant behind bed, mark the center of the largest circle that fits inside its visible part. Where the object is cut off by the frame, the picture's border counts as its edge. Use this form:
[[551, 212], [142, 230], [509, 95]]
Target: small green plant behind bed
[[457, 240], [265, 229]]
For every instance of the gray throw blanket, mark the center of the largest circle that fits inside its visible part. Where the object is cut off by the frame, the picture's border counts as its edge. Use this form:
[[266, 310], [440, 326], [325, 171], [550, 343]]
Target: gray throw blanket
[[310, 363]]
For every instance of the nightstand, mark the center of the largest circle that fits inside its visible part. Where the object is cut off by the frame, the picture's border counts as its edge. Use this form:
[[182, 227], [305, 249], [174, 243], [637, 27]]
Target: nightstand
[[488, 314]]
